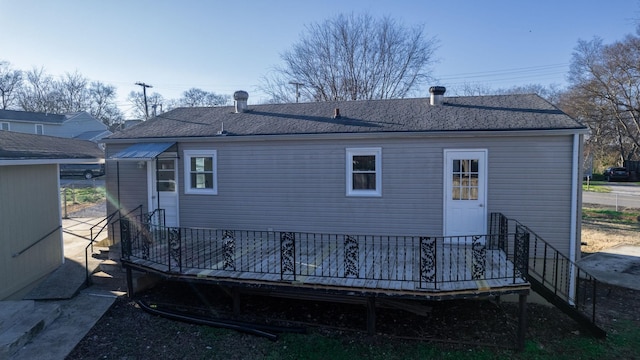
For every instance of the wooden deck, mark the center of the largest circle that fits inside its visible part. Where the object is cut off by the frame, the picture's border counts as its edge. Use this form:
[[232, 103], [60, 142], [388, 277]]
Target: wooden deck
[[418, 266]]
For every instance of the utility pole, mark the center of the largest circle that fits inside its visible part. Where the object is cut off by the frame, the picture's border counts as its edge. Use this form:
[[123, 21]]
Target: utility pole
[[144, 93], [297, 84]]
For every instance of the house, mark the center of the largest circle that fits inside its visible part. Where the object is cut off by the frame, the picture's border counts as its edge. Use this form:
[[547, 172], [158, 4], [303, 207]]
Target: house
[[80, 125], [382, 196], [30, 220]]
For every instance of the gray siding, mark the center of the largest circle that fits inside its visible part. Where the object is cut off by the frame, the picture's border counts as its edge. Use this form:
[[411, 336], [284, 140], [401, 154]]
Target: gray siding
[[132, 190], [71, 128], [30, 128], [31, 209], [300, 186], [77, 125]]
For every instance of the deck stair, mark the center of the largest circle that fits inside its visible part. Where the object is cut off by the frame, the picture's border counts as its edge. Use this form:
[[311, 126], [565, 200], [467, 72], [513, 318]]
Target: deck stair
[[110, 275], [554, 276], [577, 315]]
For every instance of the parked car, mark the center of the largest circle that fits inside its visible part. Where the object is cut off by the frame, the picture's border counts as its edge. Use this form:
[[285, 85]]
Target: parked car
[[87, 171], [616, 174]]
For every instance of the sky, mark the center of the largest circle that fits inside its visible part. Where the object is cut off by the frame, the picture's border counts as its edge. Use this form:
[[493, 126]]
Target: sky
[[224, 46]]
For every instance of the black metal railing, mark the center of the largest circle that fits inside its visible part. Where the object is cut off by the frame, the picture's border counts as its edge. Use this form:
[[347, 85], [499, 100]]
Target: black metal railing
[[552, 274], [428, 262], [94, 232]]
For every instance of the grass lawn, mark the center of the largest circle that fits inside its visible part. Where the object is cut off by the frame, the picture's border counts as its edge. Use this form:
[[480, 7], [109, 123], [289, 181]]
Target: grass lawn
[[82, 195], [596, 186], [623, 343]]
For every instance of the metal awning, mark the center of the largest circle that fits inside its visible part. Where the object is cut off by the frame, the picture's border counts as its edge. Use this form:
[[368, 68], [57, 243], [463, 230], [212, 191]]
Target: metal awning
[[142, 151]]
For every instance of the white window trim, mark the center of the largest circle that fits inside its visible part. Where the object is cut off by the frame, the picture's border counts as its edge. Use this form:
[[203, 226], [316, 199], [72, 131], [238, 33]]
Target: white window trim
[[188, 154], [8, 126], [41, 127], [351, 152]]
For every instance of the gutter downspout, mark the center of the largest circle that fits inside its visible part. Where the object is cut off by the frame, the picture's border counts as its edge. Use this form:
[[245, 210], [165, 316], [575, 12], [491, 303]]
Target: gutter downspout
[[59, 212], [574, 214]]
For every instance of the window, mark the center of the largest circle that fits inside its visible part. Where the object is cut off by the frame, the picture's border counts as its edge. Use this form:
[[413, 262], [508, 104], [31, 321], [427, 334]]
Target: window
[[364, 172], [200, 172], [39, 129], [4, 126]]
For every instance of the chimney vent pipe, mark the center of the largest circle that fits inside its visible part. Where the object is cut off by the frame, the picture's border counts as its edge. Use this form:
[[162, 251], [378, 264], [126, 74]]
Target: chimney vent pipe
[[240, 98], [336, 113], [437, 95]]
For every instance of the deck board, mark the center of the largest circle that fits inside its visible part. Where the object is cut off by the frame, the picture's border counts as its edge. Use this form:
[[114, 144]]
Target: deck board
[[392, 266]]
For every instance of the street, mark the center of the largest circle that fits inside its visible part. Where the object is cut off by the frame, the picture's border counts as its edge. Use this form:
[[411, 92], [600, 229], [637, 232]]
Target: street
[[622, 194], [79, 182]]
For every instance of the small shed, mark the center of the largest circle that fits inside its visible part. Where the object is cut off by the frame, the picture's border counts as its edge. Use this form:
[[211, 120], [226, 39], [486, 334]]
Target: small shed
[[30, 217]]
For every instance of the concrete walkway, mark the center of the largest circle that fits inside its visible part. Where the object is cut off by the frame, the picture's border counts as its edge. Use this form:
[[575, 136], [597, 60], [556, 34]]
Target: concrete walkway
[[618, 266]]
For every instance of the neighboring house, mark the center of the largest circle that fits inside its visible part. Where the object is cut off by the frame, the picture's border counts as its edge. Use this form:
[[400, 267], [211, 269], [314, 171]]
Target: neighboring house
[[402, 179], [30, 221], [80, 125]]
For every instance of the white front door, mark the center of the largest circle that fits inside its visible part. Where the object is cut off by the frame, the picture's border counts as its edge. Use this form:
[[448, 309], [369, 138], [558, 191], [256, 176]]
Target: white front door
[[465, 191], [163, 188]]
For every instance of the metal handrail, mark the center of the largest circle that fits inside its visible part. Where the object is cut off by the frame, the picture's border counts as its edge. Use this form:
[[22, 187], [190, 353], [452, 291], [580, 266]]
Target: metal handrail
[[93, 239], [36, 242], [558, 273]]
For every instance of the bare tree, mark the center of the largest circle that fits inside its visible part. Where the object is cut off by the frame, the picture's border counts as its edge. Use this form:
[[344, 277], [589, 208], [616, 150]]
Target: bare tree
[[136, 98], [605, 79], [10, 82], [353, 58], [38, 93], [551, 92], [103, 103], [195, 97], [72, 93]]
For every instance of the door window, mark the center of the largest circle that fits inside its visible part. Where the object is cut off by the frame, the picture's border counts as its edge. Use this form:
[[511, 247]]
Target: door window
[[465, 182], [166, 175]]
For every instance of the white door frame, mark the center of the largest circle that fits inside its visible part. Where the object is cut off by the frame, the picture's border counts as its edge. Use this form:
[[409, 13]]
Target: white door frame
[[481, 202], [153, 193]]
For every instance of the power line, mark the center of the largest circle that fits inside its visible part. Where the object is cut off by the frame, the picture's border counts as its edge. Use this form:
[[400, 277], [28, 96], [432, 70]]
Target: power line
[[509, 74]]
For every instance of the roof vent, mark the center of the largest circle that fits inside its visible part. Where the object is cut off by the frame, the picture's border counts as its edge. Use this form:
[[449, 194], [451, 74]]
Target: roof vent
[[437, 95], [336, 113], [240, 98]]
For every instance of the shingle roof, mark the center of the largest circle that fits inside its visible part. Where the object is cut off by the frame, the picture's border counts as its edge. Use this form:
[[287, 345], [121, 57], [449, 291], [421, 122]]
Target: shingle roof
[[29, 116], [14, 146], [473, 113]]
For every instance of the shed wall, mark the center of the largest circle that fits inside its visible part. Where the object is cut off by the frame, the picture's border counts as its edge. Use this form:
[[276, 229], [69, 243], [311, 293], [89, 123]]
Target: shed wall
[[31, 209]]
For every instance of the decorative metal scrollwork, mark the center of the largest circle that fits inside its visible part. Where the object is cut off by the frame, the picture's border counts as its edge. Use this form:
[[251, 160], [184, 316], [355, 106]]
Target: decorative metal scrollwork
[[173, 237], [125, 237], [287, 252], [351, 261], [479, 254], [504, 230], [145, 243], [521, 251], [427, 259], [229, 249]]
